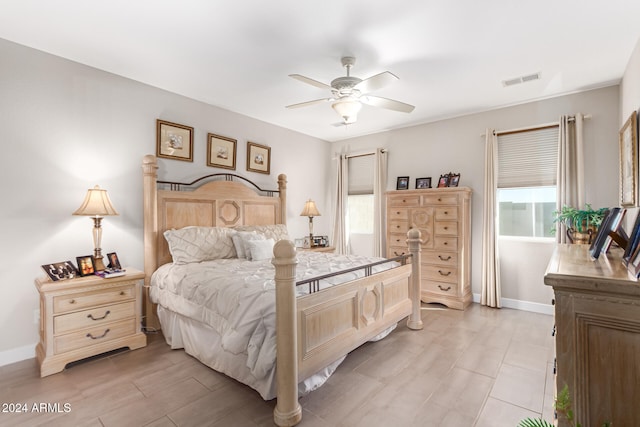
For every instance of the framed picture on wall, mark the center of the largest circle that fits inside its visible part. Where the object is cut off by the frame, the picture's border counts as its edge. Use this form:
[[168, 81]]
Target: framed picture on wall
[[402, 183], [258, 158], [221, 151], [629, 161], [174, 141]]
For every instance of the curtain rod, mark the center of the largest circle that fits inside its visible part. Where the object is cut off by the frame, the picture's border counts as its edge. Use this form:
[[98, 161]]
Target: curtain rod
[[362, 154], [532, 128]]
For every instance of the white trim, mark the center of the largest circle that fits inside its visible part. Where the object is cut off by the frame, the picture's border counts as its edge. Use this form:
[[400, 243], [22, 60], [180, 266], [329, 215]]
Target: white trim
[[534, 307], [14, 355]]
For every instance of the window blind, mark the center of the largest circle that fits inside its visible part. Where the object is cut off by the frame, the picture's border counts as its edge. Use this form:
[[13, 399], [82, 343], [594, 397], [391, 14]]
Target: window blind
[[361, 174], [528, 158]]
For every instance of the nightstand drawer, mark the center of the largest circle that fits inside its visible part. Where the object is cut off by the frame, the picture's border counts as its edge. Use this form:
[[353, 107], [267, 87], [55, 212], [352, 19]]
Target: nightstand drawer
[[92, 336], [92, 317], [65, 303]]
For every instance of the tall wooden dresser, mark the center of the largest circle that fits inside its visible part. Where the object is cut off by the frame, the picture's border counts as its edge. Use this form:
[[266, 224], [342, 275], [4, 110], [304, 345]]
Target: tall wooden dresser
[[443, 216], [597, 315]]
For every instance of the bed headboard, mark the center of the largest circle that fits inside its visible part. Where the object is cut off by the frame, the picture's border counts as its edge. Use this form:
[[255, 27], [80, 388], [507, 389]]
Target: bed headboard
[[218, 203]]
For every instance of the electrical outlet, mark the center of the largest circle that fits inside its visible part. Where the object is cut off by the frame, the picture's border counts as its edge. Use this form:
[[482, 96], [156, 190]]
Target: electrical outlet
[[36, 316]]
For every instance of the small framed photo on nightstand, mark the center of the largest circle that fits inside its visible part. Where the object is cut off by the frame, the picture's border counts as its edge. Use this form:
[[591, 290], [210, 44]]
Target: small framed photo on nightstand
[[60, 270], [85, 265], [114, 262]]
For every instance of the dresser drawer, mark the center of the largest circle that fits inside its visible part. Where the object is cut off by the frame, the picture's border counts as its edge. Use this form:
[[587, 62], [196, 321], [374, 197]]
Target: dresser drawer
[[65, 303], [440, 258], [399, 227], [448, 213], [92, 336], [398, 213], [440, 199], [398, 240], [447, 228], [441, 288], [407, 201], [445, 243], [440, 273], [93, 317]]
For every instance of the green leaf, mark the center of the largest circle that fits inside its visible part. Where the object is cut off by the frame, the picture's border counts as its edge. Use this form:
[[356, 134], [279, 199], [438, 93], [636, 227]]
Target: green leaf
[[534, 422]]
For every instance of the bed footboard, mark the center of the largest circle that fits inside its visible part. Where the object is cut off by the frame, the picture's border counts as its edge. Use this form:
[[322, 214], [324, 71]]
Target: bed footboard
[[315, 330]]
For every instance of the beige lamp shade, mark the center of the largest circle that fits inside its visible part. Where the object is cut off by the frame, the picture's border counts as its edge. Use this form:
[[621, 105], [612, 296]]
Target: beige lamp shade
[[310, 209], [96, 203]]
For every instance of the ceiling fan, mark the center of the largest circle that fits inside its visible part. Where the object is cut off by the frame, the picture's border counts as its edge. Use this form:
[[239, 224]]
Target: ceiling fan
[[349, 93]]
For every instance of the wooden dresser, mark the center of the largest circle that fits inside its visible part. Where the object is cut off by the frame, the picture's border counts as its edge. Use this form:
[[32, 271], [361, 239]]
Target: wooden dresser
[[597, 315], [87, 316], [443, 216]]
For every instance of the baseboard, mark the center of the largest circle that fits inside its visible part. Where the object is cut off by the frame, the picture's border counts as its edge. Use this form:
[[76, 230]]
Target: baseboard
[[535, 307], [14, 355]]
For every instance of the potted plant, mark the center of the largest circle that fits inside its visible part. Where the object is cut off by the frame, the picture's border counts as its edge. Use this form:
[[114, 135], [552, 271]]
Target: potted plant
[[581, 224]]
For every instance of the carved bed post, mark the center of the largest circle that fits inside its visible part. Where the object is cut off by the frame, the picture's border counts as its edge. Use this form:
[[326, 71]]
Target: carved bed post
[[288, 411], [414, 241], [150, 212], [282, 186]]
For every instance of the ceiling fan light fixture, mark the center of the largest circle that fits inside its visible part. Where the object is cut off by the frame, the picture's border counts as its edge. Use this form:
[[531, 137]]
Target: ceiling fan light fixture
[[347, 109]]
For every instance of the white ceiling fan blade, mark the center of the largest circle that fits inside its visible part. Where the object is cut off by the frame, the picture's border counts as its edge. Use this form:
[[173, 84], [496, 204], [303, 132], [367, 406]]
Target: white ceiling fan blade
[[376, 82], [389, 104], [307, 103], [310, 81]]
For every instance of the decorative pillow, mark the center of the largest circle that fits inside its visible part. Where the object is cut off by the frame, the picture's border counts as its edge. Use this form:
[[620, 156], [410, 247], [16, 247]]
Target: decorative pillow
[[271, 231], [197, 244], [240, 241], [261, 249]]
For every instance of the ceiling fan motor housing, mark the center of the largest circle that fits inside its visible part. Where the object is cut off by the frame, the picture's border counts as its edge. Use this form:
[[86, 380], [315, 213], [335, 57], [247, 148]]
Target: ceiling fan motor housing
[[344, 86]]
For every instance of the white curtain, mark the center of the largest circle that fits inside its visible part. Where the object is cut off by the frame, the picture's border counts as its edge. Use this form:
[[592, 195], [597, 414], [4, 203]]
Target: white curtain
[[570, 182], [342, 189], [490, 295], [379, 188]]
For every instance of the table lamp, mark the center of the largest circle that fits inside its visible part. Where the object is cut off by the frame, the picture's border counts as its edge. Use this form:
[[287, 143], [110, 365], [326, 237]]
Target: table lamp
[[310, 210], [96, 204]]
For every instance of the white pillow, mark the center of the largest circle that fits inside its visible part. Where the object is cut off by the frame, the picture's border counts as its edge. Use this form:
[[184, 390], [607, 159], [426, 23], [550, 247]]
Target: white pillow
[[261, 249], [240, 240], [270, 231], [197, 244]]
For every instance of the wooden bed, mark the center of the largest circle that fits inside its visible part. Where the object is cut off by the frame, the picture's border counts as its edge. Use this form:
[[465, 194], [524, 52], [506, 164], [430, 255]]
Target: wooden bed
[[312, 330]]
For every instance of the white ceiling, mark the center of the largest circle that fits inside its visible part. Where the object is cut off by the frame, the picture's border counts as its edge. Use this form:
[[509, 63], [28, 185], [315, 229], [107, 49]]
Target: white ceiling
[[450, 55]]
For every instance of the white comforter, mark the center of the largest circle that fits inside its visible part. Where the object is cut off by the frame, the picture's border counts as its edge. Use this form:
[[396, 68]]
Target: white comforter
[[236, 298]]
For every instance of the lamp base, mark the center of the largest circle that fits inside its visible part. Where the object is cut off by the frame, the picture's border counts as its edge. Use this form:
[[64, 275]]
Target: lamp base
[[98, 265]]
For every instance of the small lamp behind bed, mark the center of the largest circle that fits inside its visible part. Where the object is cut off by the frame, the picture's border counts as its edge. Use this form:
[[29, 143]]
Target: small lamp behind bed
[[310, 210], [96, 204]]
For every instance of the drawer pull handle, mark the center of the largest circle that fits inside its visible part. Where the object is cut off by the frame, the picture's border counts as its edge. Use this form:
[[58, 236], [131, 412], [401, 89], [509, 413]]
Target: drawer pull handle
[[397, 254], [97, 338], [446, 228], [439, 199], [122, 293], [444, 259], [443, 289], [72, 301], [398, 213], [443, 274], [446, 243], [404, 201], [446, 212], [398, 240], [90, 316]]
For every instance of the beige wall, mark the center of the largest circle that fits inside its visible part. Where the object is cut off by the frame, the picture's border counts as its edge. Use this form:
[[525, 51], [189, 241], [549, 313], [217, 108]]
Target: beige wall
[[65, 128], [457, 145]]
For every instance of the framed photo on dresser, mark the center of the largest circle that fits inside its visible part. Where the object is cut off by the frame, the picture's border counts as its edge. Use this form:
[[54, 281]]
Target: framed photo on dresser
[[423, 183], [402, 183]]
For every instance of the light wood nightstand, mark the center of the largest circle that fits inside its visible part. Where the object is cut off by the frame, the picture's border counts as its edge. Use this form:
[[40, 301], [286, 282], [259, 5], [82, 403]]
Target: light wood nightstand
[[87, 316], [319, 249]]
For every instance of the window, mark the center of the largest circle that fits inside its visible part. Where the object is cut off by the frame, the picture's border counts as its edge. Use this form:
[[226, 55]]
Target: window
[[527, 169], [360, 199]]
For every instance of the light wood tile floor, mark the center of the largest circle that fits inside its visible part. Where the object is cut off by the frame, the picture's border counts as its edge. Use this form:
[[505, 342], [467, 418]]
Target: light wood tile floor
[[481, 367]]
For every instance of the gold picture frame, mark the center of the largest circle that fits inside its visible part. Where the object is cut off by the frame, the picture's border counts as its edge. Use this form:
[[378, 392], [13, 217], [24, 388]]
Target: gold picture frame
[[258, 158], [174, 141], [221, 151], [629, 162]]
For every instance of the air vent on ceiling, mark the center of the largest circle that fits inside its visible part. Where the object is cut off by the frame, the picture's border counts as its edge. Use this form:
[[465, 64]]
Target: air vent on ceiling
[[521, 79]]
